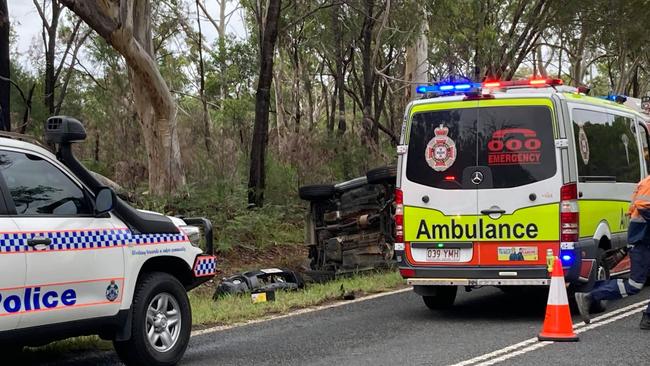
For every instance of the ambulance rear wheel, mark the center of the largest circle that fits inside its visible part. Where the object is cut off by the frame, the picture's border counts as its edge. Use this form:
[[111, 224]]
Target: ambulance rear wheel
[[602, 274], [443, 298], [162, 322]]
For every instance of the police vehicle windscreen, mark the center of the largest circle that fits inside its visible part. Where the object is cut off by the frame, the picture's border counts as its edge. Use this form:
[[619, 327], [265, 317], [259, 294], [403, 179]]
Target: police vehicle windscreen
[[515, 143]]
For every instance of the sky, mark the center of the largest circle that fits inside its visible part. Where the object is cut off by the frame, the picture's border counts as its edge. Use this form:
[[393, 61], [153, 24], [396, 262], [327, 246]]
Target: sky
[[27, 24]]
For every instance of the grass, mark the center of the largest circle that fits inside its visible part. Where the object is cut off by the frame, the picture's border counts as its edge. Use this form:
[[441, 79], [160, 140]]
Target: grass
[[238, 309]]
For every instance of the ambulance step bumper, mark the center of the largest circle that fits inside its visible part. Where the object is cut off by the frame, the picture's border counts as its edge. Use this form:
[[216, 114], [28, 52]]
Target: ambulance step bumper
[[478, 281]]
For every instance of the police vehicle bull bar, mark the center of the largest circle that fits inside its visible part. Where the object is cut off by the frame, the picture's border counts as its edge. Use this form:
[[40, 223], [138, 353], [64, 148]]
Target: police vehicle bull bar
[[207, 231]]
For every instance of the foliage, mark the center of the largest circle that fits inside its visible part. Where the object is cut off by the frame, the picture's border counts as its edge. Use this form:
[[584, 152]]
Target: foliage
[[603, 45]]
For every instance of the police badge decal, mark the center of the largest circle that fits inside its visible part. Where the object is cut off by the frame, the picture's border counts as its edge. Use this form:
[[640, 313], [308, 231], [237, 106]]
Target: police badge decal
[[441, 150], [112, 292]]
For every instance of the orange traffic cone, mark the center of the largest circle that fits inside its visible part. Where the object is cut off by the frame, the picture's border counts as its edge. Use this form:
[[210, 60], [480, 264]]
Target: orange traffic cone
[[557, 326]]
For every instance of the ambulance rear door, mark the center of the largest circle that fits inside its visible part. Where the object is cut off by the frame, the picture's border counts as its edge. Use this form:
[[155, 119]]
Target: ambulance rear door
[[518, 180]]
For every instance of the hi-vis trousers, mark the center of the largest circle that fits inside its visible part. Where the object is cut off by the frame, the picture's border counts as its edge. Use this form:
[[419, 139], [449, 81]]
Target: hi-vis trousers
[[620, 288]]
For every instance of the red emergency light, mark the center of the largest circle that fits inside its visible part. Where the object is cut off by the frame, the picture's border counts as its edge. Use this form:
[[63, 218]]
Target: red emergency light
[[524, 82]]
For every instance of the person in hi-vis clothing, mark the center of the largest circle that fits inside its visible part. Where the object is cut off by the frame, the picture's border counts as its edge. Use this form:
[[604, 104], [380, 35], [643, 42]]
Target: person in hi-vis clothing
[[638, 236]]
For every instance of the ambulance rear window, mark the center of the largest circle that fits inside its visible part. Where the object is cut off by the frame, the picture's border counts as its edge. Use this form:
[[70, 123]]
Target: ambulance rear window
[[515, 144]]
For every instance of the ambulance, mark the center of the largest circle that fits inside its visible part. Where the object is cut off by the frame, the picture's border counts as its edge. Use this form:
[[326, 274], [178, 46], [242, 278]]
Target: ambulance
[[494, 178], [77, 260]]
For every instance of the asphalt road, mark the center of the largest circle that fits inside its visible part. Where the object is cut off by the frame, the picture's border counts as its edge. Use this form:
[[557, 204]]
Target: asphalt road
[[399, 330]]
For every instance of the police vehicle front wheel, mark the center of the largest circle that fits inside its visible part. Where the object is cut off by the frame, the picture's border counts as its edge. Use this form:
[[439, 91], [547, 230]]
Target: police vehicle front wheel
[[442, 298], [162, 321]]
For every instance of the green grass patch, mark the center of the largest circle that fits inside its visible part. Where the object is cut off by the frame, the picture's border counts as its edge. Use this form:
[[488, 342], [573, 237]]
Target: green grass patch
[[239, 308]]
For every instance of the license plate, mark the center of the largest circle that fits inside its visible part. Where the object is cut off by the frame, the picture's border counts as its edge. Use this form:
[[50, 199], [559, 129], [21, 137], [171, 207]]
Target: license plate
[[443, 255]]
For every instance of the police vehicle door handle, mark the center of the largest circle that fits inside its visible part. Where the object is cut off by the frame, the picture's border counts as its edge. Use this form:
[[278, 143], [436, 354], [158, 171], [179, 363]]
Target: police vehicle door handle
[[38, 241], [493, 211]]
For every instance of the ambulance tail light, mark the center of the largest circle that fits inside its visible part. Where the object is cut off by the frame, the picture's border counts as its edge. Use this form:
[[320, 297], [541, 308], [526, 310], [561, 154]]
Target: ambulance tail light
[[407, 272], [569, 214], [399, 216]]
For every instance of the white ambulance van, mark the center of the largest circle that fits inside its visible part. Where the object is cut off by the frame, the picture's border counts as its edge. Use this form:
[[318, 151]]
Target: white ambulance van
[[77, 260], [494, 177]]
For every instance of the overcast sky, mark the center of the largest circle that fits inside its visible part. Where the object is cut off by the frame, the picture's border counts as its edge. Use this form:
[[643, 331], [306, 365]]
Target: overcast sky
[[28, 26]]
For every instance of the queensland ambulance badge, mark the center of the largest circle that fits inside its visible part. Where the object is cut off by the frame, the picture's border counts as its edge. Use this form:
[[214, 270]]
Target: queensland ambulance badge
[[584, 145], [441, 150], [112, 292]]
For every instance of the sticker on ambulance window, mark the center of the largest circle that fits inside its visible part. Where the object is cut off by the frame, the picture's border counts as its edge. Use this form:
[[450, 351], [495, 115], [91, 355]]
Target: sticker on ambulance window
[[584, 145], [514, 146], [440, 153], [517, 254]]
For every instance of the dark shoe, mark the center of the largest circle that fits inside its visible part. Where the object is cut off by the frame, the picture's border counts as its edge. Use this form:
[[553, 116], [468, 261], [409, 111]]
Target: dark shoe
[[645, 321], [583, 300]]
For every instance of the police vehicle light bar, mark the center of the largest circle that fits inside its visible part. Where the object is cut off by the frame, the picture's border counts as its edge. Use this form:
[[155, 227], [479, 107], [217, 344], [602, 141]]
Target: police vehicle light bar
[[620, 99]]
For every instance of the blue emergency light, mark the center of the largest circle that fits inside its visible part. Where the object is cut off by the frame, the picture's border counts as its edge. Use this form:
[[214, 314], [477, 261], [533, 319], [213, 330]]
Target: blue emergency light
[[446, 88], [620, 99], [567, 257]]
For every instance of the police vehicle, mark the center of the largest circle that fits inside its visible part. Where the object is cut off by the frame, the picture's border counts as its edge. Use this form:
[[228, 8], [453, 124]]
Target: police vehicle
[[494, 177], [77, 260]]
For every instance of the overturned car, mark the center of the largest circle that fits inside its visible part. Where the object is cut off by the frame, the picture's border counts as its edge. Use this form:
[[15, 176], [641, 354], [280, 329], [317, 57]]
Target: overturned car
[[350, 225]]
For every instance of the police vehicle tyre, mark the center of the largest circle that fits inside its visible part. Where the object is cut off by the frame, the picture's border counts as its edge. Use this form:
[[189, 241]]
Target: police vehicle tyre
[[443, 299], [316, 192], [152, 291], [384, 174]]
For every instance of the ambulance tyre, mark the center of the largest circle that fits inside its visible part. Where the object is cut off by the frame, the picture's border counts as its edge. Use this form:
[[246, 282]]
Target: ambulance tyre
[[160, 304], [443, 298], [602, 274]]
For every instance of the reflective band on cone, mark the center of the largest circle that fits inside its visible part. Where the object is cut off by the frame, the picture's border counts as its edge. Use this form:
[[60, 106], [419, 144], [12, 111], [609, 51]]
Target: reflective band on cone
[[557, 326]]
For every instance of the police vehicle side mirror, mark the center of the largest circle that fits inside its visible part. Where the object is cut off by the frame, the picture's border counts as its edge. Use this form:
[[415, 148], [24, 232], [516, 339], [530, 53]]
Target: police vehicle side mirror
[[104, 200]]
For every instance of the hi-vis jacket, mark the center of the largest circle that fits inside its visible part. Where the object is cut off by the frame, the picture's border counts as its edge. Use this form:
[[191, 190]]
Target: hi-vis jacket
[[638, 232]]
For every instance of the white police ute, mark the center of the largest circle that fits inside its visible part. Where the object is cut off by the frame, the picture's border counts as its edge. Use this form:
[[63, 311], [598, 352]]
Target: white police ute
[[77, 260]]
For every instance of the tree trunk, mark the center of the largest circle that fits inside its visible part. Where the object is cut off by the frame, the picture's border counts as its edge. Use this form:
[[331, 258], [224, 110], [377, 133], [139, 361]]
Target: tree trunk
[[417, 64], [127, 27], [339, 75], [370, 127], [50, 54], [256, 179], [5, 86], [204, 101]]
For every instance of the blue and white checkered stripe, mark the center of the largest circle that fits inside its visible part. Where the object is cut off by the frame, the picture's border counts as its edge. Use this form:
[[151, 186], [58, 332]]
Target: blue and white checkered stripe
[[205, 266], [90, 239]]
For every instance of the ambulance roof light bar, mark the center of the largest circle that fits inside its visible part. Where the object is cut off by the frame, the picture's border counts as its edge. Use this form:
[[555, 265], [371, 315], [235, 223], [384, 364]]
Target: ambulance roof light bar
[[523, 83], [447, 88]]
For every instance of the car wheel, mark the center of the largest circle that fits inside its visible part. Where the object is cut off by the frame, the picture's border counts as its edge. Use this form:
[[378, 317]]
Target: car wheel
[[384, 174], [316, 192], [443, 299], [162, 322]]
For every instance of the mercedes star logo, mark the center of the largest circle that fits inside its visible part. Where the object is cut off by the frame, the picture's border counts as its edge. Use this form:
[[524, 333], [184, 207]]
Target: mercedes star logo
[[477, 178]]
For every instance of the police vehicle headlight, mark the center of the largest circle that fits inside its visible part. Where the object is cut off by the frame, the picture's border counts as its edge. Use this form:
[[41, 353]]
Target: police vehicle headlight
[[193, 234]]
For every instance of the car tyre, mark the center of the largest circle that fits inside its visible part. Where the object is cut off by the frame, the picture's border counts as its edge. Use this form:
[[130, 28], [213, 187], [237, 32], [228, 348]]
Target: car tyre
[[443, 298], [316, 192], [160, 306], [381, 175]]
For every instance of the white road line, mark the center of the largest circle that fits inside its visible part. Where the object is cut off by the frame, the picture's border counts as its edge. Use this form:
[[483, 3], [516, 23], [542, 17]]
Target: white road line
[[221, 328], [532, 344]]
